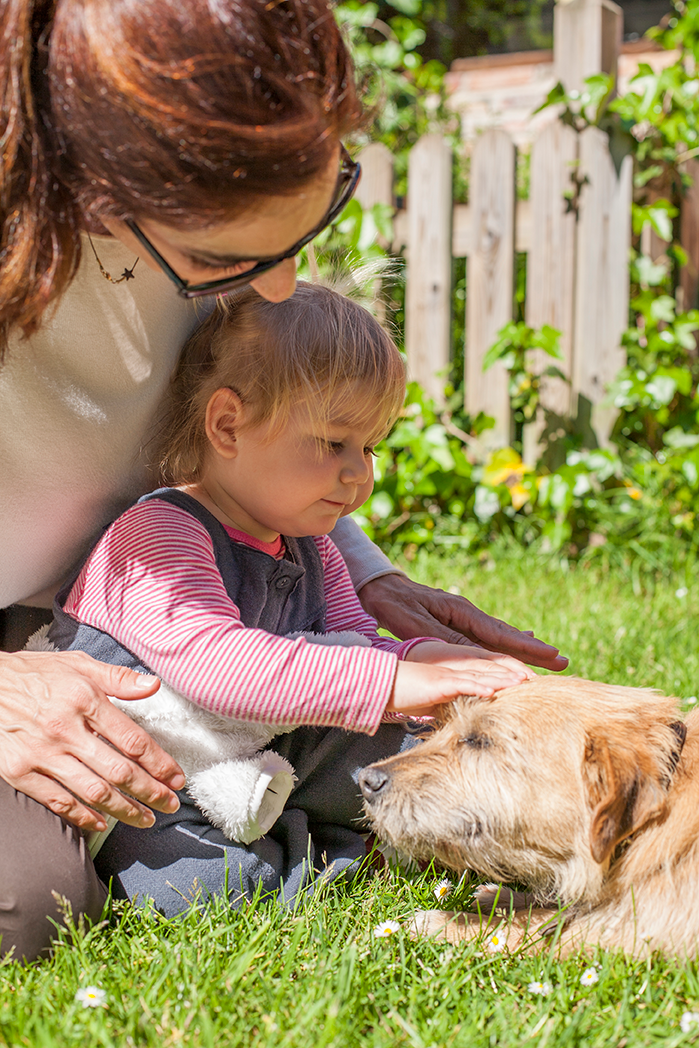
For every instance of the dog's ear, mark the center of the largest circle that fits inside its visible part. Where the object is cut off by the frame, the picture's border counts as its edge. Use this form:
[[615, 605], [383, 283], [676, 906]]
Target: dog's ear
[[626, 789]]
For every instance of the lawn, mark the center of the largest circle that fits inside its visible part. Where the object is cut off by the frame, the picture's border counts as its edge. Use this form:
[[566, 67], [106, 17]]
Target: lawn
[[321, 976]]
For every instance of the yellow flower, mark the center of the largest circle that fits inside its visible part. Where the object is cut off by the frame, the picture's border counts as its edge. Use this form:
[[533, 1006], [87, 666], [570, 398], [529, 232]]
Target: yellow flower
[[506, 467]]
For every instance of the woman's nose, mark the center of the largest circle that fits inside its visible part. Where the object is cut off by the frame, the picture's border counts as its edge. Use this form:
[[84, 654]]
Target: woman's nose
[[279, 283]]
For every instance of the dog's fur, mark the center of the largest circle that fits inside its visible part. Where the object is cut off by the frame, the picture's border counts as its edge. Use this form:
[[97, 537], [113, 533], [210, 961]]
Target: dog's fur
[[541, 786]]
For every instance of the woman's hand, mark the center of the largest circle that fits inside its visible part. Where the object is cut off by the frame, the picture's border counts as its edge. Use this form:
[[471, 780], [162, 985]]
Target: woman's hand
[[407, 609], [64, 744]]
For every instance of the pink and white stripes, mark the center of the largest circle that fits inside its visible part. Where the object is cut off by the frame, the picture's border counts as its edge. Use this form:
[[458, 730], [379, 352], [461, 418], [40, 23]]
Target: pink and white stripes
[[152, 584]]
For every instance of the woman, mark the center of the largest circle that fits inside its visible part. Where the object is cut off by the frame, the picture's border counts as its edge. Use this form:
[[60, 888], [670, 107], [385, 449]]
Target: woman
[[145, 143]]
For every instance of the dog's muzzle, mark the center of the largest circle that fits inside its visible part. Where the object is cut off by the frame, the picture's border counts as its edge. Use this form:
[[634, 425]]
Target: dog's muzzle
[[374, 783]]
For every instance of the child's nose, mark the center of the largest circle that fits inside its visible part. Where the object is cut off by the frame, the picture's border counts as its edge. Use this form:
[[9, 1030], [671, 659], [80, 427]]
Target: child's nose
[[355, 470]]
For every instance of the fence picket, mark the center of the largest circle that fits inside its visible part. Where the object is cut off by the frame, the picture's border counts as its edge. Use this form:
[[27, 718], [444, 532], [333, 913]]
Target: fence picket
[[428, 285], [490, 275], [551, 262], [689, 238], [376, 184], [602, 282]]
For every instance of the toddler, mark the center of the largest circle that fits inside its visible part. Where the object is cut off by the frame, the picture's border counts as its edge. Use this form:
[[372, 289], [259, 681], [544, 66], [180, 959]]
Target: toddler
[[274, 414]]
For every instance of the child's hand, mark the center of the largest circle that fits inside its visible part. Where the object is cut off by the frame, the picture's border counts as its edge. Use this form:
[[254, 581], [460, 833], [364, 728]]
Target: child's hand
[[455, 656], [419, 687]]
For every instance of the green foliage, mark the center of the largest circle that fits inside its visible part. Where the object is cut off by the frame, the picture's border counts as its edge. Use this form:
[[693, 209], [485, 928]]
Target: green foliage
[[513, 348], [404, 95], [425, 489]]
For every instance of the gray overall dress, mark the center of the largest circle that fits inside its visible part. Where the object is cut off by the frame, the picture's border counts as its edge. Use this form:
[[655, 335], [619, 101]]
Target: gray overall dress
[[319, 830]]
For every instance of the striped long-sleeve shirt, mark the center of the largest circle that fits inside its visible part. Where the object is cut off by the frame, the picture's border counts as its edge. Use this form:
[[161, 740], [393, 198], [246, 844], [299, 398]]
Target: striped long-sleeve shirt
[[152, 583]]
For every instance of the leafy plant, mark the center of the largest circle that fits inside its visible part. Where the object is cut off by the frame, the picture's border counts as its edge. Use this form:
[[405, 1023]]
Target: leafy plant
[[515, 343]]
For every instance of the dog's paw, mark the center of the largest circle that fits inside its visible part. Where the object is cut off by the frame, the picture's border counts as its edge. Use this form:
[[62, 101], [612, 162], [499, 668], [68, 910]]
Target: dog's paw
[[496, 898], [442, 924]]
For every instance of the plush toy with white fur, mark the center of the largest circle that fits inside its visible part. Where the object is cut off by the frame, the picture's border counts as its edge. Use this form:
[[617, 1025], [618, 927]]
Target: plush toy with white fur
[[239, 785]]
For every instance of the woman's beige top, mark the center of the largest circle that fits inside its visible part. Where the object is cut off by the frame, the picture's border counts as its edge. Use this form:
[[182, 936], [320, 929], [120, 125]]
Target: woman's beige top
[[77, 406]]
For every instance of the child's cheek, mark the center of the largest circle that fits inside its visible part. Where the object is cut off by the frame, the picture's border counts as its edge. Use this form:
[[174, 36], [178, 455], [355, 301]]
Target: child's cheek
[[363, 492]]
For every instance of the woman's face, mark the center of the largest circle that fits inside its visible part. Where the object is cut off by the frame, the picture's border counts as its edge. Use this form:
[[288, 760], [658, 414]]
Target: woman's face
[[268, 229]]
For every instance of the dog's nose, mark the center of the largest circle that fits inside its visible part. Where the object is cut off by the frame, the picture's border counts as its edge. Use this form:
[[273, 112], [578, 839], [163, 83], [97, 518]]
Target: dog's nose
[[371, 782]]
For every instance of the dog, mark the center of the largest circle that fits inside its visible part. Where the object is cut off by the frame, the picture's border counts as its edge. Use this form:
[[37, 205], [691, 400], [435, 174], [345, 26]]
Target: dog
[[585, 793]]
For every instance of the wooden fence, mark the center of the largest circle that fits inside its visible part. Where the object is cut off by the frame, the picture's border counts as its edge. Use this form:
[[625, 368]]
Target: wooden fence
[[577, 261], [575, 228]]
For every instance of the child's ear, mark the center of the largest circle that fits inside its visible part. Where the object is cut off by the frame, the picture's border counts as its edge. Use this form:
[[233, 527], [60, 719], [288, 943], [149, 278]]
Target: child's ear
[[223, 418]]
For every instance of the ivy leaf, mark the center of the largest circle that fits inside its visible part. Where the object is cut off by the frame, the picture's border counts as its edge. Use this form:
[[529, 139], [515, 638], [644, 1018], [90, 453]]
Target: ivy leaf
[[663, 308], [406, 7]]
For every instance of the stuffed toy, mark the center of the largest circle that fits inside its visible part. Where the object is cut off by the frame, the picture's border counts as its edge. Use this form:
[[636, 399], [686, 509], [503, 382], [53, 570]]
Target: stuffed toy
[[239, 785]]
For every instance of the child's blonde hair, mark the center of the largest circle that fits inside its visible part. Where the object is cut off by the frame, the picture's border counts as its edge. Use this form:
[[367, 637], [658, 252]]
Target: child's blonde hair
[[313, 350]]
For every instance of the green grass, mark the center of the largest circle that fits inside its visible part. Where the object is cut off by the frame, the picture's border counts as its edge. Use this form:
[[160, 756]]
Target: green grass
[[262, 977]]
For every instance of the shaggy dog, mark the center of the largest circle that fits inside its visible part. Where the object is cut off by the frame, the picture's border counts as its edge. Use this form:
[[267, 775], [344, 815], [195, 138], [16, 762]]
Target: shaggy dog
[[586, 793]]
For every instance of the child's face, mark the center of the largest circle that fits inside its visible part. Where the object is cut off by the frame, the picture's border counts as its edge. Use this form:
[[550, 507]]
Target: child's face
[[297, 483]]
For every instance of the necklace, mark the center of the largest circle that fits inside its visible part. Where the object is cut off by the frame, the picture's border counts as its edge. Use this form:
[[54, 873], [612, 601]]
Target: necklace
[[128, 274]]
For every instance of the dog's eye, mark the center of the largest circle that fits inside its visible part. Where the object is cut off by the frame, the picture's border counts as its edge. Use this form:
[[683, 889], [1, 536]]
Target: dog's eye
[[476, 741]]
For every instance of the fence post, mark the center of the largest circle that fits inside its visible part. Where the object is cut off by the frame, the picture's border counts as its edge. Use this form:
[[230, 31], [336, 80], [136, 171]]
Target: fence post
[[490, 277], [428, 284], [376, 184], [587, 37], [689, 238], [602, 276]]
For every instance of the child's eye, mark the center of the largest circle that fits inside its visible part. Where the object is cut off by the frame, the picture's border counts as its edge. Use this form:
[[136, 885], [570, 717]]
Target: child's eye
[[370, 451]]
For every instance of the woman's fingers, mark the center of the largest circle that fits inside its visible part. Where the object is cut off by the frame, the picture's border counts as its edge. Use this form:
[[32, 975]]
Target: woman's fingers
[[97, 794], [101, 775], [64, 744], [136, 763], [408, 609], [58, 800], [118, 729]]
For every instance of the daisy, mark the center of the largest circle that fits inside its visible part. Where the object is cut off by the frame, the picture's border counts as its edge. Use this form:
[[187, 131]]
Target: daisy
[[496, 943], [442, 890], [542, 988], [589, 977], [91, 997], [688, 1021], [386, 929]]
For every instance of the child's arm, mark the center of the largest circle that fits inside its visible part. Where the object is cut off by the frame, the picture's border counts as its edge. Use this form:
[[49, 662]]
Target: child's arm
[[152, 584]]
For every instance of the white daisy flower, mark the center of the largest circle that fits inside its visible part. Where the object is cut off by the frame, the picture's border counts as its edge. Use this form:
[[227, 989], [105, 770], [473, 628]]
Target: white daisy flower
[[386, 929], [496, 943], [91, 997], [589, 977], [688, 1021], [443, 889], [543, 989]]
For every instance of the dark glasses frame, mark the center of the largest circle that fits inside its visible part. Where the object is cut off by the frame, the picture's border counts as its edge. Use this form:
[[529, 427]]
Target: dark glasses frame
[[350, 172]]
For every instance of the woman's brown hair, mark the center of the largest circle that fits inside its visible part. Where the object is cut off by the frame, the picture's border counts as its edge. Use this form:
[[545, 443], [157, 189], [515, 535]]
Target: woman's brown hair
[[184, 111], [318, 352]]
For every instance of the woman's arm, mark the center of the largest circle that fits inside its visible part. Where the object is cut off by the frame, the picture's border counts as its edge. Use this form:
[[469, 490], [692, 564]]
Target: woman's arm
[[64, 744], [408, 609]]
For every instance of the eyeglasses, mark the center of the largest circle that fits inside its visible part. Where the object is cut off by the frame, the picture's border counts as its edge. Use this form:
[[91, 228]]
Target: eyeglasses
[[350, 171]]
